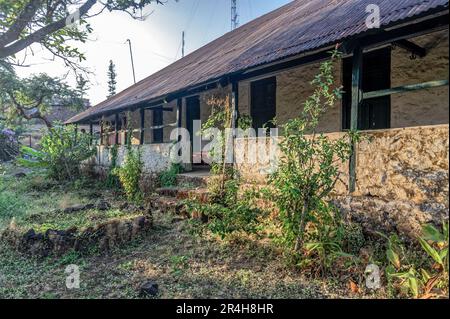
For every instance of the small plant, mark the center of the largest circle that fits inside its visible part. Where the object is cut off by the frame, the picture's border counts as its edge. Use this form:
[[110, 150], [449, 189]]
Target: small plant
[[130, 174], [112, 180], [179, 265], [229, 214], [226, 210], [131, 171], [423, 280], [309, 168], [63, 150], [169, 177]]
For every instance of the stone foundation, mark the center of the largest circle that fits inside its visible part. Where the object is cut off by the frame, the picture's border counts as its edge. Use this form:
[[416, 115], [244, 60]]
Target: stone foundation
[[402, 178], [104, 236]]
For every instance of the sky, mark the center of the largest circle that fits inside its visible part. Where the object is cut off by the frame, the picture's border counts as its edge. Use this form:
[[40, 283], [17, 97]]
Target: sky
[[156, 42]]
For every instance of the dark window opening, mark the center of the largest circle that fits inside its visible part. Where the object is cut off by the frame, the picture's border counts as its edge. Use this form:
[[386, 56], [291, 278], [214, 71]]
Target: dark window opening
[[373, 113], [263, 102], [158, 117]]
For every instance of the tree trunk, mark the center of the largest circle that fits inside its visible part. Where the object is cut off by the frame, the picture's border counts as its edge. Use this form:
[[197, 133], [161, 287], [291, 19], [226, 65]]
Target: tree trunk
[[301, 228]]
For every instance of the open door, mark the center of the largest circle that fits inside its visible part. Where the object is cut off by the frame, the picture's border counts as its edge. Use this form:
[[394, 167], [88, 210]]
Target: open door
[[193, 114], [374, 113]]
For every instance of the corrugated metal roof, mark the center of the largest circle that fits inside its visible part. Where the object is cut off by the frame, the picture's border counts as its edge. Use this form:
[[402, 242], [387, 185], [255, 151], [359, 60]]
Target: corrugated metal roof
[[298, 27]]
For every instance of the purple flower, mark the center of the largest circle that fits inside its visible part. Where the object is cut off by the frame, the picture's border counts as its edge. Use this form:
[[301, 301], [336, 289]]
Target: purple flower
[[8, 133]]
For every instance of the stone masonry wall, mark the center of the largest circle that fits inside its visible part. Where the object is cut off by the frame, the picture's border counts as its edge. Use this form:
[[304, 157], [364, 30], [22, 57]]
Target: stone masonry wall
[[426, 107], [402, 178], [156, 157]]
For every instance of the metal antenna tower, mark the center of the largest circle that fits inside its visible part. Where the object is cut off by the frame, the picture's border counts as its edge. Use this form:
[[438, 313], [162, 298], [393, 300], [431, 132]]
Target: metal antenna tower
[[234, 15]]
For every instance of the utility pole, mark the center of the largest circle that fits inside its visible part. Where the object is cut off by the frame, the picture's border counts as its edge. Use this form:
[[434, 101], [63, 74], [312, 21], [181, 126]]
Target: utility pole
[[183, 43], [234, 15], [132, 60]]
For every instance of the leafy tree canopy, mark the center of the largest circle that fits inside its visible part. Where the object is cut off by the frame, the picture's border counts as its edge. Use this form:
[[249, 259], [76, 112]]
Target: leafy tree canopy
[[49, 23], [56, 25], [33, 97]]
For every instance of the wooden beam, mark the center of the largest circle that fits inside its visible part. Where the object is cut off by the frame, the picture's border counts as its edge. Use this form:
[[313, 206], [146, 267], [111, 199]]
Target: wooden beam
[[409, 31], [357, 97], [164, 109], [142, 132], [102, 131], [180, 112], [91, 132], [116, 129], [283, 66], [404, 89], [411, 47], [179, 121], [235, 104]]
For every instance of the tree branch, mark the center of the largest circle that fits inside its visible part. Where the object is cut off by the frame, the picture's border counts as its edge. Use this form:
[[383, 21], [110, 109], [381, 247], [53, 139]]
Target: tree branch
[[40, 34], [30, 116], [19, 25]]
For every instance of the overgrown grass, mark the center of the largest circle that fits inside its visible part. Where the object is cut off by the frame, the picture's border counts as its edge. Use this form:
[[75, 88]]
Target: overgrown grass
[[38, 202], [183, 265], [12, 205]]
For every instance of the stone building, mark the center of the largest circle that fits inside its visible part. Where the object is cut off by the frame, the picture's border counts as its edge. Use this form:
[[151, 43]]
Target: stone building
[[395, 78]]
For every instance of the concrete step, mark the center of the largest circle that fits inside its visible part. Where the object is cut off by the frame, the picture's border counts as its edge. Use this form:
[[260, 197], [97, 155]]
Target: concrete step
[[195, 179], [181, 193], [168, 205]]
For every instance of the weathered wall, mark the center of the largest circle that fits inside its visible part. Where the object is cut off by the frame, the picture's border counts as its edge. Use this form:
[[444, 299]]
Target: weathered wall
[[156, 157], [426, 107], [293, 89], [402, 178]]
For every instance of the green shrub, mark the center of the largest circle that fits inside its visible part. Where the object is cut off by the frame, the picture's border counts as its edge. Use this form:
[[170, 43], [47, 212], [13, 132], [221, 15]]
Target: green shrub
[[112, 180], [12, 205], [230, 213], [62, 152], [169, 177], [309, 168], [130, 174]]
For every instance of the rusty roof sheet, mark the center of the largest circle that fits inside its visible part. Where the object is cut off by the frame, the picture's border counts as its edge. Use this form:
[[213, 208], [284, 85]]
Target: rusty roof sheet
[[298, 27]]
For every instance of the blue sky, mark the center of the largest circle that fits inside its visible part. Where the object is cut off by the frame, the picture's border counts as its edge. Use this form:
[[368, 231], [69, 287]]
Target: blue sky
[[156, 41]]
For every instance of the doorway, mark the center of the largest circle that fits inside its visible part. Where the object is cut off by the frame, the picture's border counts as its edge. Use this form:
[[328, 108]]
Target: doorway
[[193, 113]]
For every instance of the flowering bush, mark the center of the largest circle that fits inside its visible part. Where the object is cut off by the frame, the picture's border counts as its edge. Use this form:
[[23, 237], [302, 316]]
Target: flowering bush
[[9, 146]]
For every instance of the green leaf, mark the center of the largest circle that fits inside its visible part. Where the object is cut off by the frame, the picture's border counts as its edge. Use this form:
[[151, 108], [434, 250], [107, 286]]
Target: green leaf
[[30, 163], [443, 253], [430, 233], [425, 274], [413, 286], [25, 150], [393, 258], [310, 247], [390, 271], [431, 251]]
